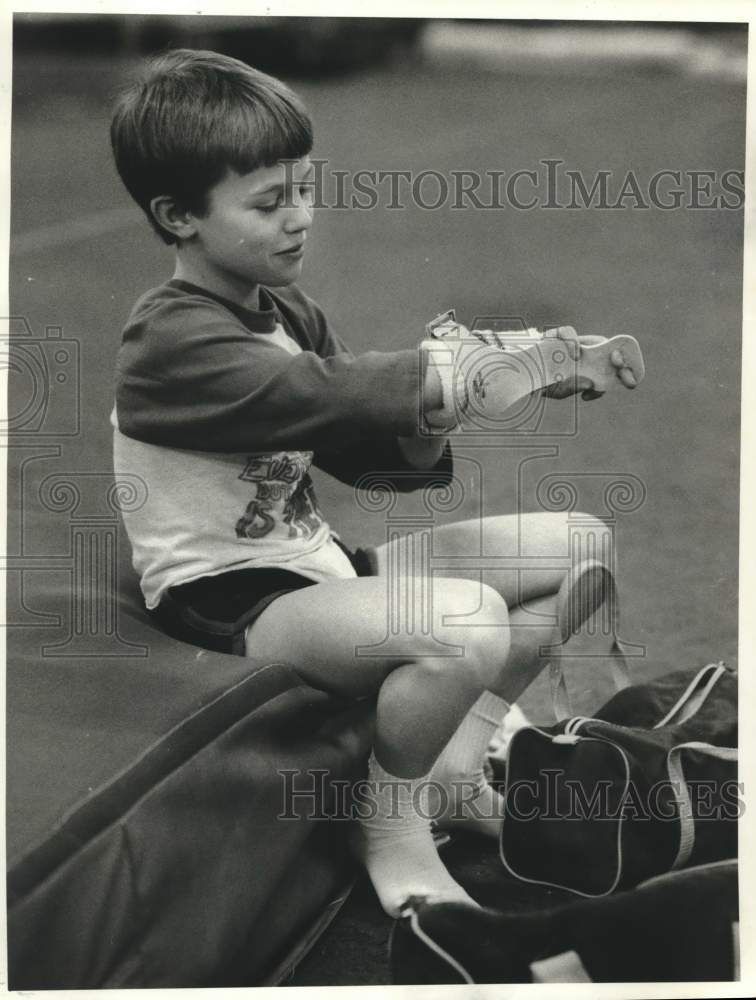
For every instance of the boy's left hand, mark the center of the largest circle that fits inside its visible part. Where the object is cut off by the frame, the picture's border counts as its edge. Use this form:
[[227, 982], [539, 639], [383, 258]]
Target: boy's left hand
[[579, 383]]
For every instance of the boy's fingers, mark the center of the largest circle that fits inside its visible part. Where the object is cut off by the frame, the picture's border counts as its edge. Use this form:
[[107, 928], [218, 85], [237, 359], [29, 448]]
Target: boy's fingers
[[617, 358], [569, 338], [626, 375]]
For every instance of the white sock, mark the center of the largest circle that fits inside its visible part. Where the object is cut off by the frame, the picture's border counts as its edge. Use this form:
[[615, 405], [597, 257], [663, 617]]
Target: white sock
[[395, 843], [468, 799]]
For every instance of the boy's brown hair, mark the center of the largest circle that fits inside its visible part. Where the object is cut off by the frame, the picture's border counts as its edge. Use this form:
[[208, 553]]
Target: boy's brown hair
[[193, 116]]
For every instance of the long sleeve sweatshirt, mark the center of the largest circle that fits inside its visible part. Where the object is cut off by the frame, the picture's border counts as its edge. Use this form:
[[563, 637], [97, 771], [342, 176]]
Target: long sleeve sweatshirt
[[220, 411]]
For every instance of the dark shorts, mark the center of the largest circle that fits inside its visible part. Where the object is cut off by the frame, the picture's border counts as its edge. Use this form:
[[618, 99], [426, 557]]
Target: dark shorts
[[214, 612]]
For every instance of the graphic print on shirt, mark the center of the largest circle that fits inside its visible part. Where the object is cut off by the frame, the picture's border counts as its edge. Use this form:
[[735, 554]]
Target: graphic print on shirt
[[284, 494]]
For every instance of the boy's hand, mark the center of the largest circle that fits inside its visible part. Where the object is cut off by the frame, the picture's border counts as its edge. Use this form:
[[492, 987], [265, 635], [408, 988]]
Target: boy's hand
[[558, 363], [581, 384]]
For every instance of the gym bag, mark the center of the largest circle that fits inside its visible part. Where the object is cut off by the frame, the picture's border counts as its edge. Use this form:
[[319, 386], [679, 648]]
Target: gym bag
[[681, 927], [649, 785]]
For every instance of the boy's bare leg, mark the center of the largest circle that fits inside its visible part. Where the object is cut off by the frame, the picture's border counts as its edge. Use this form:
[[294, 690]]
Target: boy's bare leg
[[422, 697], [542, 540], [318, 631], [534, 551]]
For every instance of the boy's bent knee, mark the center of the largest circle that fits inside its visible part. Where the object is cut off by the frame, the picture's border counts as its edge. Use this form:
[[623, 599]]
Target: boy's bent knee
[[475, 618], [455, 597], [492, 604], [462, 677]]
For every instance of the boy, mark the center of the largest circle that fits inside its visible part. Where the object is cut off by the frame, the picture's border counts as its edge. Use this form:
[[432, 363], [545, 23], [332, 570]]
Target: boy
[[230, 385]]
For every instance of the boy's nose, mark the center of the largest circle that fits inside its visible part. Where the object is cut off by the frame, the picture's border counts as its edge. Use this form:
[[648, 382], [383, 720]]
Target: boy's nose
[[299, 216]]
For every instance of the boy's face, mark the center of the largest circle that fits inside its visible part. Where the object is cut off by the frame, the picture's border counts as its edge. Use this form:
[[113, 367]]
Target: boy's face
[[256, 225]]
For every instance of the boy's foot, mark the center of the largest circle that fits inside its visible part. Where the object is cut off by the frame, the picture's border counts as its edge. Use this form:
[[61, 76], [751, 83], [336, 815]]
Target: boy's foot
[[395, 843], [405, 865], [472, 806], [514, 719], [460, 797]]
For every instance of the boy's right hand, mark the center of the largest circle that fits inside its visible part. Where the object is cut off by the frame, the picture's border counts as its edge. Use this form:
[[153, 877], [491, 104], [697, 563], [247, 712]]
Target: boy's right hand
[[581, 383], [557, 364]]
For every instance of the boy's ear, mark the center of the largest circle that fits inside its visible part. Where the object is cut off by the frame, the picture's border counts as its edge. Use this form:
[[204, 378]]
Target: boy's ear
[[170, 216]]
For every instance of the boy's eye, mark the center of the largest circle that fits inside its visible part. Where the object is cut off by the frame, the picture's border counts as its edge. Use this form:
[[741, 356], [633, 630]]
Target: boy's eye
[[306, 192]]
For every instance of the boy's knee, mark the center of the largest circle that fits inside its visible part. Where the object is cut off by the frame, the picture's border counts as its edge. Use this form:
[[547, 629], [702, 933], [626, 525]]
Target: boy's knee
[[492, 605], [482, 633], [458, 597], [464, 676]]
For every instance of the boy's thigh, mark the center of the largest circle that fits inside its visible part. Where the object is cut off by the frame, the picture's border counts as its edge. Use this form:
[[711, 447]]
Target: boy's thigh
[[522, 556], [343, 635]]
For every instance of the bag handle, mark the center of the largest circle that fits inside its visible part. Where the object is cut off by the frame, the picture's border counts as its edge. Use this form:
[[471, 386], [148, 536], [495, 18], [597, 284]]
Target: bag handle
[[409, 912], [696, 693], [560, 698], [682, 795]]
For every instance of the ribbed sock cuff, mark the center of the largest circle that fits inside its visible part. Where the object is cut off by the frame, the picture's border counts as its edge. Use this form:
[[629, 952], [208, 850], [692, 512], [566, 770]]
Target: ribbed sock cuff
[[464, 754], [490, 708]]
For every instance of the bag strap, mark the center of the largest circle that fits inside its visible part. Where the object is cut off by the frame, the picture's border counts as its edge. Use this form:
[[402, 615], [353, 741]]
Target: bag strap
[[680, 790], [409, 911], [696, 693], [618, 655]]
